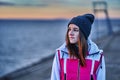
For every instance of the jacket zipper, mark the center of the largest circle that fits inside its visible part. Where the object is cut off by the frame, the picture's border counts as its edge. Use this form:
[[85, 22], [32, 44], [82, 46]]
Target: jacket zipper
[[78, 70]]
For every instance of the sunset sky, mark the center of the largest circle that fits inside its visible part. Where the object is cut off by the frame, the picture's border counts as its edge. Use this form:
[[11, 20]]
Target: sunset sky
[[51, 9]]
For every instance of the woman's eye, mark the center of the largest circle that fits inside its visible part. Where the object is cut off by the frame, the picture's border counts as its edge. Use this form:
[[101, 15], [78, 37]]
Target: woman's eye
[[76, 30], [69, 29]]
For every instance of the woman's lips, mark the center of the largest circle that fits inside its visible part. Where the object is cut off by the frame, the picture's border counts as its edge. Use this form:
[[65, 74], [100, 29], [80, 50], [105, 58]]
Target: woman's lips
[[71, 37]]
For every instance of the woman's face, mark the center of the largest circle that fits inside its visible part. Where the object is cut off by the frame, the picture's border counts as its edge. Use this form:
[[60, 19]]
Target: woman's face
[[73, 33]]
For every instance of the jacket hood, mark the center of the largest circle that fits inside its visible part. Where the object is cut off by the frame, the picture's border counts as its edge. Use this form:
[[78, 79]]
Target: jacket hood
[[92, 48]]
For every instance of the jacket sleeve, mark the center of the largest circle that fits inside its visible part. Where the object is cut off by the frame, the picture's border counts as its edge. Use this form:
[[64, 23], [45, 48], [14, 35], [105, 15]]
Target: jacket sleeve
[[55, 73], [101, 75]]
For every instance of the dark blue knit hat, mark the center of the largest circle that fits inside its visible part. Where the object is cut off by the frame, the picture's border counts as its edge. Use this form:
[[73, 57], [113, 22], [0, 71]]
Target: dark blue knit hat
[[84, 22]]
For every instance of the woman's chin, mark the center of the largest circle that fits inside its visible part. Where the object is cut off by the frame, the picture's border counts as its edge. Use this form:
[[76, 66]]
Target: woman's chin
[[72, 42]]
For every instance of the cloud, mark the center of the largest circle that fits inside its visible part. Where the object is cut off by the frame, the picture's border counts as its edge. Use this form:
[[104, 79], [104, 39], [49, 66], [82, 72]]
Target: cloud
[[23, 3], [6, 4]]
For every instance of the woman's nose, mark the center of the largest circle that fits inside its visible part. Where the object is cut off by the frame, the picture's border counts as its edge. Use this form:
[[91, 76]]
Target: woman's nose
[[71, 33]]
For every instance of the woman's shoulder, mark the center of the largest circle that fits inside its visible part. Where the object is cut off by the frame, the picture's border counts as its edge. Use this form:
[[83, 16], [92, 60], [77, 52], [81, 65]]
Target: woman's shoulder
[[62, 50], [95, 56], [93, 48], [93, 51]]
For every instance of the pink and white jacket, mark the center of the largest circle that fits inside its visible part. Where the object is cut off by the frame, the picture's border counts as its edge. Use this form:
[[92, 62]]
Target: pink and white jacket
[[65, 68]]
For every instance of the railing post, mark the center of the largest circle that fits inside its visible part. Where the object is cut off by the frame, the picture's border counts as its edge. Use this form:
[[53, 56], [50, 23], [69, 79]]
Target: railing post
[[101, 6]]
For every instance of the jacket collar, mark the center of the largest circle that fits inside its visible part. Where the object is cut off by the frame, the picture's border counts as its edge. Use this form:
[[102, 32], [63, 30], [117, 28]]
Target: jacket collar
[[92, 48]]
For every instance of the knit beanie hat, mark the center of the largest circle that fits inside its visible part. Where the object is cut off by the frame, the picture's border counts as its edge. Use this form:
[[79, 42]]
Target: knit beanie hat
[[84, 22]]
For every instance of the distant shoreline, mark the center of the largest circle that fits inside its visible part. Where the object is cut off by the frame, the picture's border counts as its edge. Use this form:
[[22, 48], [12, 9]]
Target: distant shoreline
[[34, 20], [54, 19]]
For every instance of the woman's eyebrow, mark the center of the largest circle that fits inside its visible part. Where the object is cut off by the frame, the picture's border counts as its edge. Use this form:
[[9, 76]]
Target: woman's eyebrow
[[76, 28]]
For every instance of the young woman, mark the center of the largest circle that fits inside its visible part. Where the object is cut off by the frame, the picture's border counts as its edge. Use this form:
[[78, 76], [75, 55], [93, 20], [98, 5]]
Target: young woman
[[79, 58]]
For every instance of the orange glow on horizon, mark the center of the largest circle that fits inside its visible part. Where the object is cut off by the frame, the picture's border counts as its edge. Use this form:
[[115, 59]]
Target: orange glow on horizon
[[39, 13], [10, 12]]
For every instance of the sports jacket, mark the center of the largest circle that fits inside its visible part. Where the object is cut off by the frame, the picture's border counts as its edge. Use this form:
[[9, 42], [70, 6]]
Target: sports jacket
[[65, 68]]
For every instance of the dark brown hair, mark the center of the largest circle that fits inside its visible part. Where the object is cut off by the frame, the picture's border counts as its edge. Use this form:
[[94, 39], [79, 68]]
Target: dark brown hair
[[78, 50]]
